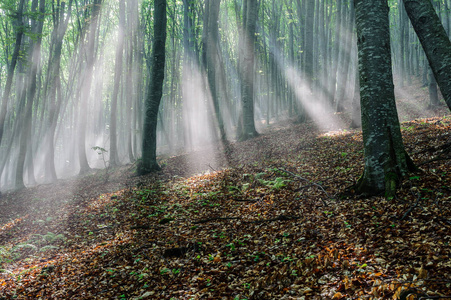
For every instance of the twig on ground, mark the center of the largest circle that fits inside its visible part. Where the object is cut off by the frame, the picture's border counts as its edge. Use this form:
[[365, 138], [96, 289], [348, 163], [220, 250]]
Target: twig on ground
[[412, 207], [214, 219], [438, 158], [278, 218], [246, 200], [311, 184]]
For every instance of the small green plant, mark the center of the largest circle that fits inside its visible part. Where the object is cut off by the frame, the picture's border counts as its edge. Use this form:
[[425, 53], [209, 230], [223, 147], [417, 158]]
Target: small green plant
[[164, 271], [175, 271], [232, 246], [275, 184], [102, 152]]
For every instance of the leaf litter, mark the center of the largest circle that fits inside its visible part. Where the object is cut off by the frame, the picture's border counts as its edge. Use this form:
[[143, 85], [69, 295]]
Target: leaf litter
[[265, 222]]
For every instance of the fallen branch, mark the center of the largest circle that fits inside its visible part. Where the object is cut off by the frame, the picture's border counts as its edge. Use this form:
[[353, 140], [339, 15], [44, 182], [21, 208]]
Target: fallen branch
[[438, 158], [142, 227], [412, 207], [246, 200], [278, 218], [311, 184], [214, 219]]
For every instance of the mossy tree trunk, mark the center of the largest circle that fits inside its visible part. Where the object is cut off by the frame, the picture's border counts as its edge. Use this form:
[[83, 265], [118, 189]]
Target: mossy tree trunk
[[386, 160], [154, 92]]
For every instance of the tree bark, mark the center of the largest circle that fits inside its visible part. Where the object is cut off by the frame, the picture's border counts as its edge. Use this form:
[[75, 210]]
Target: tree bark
[[34, 56], [212, 61], [247, 68], [12, 67], [386, 160], [86, 87], [114, 157], [434, 40], [155, 91]]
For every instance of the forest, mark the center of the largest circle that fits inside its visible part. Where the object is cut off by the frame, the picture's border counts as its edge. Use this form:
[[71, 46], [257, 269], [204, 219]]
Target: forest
[[234, 149]]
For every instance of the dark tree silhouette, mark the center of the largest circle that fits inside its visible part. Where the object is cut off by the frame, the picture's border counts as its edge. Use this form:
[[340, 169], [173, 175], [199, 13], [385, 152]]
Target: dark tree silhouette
[[155, 91]]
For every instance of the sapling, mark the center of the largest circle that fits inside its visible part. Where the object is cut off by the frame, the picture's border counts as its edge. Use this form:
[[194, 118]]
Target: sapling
[[102, 151]]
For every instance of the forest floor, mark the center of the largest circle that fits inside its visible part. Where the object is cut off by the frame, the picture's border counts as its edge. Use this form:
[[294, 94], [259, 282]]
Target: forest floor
[[262, 221]]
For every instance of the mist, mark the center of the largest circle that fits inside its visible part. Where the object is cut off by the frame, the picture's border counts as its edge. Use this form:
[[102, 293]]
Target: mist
[[305, 66]]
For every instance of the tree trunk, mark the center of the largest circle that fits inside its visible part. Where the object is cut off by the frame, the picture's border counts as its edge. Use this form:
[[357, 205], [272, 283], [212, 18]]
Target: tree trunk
[[53, 81], [12, 67], [247, 68], [432, 87], [34, 56], [155, 91], [86, 87], [386, 160], [435, 42], [114, 157], [212, 62]]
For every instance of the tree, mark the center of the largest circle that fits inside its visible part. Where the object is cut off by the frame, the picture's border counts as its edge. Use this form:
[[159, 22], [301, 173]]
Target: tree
[[34, 56], [12, 66], [211, 59], [247, 68], [53, 82], [114, 157], [434, 40], [86, 86], [155, 91], [386, 160]]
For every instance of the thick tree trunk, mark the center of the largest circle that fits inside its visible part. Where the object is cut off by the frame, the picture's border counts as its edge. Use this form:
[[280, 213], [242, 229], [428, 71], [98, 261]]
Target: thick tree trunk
[[155, 91], [386, 160], [435, 42]]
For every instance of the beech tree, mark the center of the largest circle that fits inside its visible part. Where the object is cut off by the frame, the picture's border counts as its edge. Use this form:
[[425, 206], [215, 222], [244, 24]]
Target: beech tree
[[19, 27], [386, 160], [155, 91], [434, 40], [114, 157], [247, 129]]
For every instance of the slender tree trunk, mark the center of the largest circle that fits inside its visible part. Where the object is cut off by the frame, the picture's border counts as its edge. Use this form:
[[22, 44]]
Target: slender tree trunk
[[155, 91], [435, 42], [86, 87], [51, 86], [336, 51], [247, 97], [12, 67], [114, 157], [212, 62], [309, 76], [34, 56]]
